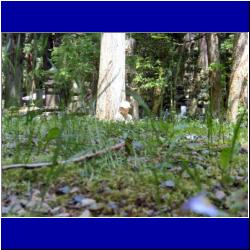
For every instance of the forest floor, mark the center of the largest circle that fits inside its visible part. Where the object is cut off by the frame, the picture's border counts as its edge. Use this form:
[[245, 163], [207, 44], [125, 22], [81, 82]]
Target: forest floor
[[166, 168]]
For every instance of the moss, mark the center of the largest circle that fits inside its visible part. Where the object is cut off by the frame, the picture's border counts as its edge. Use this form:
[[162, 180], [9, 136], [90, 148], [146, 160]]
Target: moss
[[131, 181]]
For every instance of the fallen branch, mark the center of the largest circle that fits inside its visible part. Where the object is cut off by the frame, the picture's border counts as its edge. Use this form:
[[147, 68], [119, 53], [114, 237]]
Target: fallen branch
[[74, 159]]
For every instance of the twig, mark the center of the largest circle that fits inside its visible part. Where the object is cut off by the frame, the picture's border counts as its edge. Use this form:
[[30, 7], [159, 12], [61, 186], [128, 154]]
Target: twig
[[71, 160]]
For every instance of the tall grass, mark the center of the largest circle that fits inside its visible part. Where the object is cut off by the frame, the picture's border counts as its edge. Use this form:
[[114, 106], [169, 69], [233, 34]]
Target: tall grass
[[228, 153]]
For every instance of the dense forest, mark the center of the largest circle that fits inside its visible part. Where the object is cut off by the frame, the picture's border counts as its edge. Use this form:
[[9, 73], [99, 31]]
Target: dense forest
[[124, 124]]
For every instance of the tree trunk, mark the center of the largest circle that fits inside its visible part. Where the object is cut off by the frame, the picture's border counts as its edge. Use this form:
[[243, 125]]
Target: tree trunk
[[239, 75], [157, 100], [135, 108], [48, 46], [31, 58], [244, 95], [214, 74], [183, 83], [111, 84], [202, 65], [14, 69], [203, 58]]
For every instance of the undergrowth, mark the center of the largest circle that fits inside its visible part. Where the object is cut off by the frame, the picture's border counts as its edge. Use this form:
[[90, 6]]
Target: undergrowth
[[188, 153]]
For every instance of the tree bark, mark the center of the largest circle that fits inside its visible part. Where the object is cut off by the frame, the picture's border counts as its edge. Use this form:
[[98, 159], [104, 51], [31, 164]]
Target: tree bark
[[183, 83], [239, 75], [244, 94], [14, 69], [111, 84], [157, 100], [214, 73], [203, 57], [135, 108], [202, 65]]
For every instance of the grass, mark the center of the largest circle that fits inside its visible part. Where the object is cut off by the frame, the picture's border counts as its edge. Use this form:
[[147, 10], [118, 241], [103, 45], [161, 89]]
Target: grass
[[133, 179]]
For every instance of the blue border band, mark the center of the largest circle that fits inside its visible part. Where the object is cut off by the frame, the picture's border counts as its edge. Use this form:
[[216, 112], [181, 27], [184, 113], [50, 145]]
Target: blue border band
[[125, 233], [125, 16]]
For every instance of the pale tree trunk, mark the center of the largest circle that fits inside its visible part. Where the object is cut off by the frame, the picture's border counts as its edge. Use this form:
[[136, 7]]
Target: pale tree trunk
[[111, 83], [214, 74], [31, 65], [130, 72], [135, 108], [244, 94], [14, 69], [239, 75], [203, 59]]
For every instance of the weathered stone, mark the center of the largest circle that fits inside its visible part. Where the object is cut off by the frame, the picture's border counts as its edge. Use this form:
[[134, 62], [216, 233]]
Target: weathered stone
[[220, 195], [21, 212], [15, 208], [95, 206], [74, 190], [39, 207], [85, 213], [58, 210], [168, 184], [5, 210], [24, 202], [63, 215], [87, 202]]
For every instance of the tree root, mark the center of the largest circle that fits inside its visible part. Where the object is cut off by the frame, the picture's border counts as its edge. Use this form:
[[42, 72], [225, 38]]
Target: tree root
[[74, 159]]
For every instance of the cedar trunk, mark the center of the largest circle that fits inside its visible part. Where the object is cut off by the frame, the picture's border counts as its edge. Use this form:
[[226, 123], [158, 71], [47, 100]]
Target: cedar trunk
[[111, 84], [214, 74], [14, 69], [239, 75]]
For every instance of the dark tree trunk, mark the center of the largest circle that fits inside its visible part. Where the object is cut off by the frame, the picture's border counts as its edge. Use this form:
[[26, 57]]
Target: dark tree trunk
[[201, 74], [14, 69], [48, 40], [214, 73], [183, 83]]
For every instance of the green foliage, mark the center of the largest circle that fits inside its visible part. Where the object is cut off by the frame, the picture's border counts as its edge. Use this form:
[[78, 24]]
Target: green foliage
[[76, 59], [228, 44], [52, 134], [226, 55], [195, 175], [149, 74], [153, 66], [227, 154], [34, 49], [210, 126]]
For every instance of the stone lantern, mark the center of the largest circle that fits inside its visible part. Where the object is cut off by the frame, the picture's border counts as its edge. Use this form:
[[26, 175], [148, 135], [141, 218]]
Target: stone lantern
[[51, 98]]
